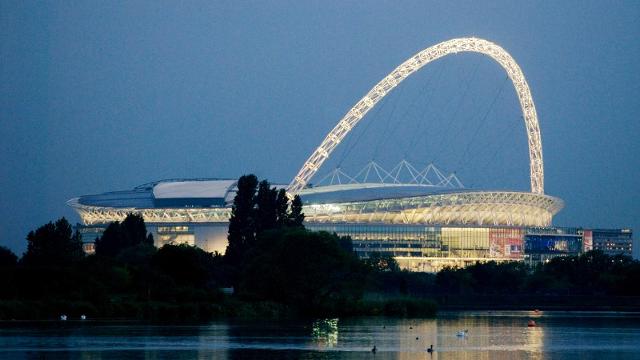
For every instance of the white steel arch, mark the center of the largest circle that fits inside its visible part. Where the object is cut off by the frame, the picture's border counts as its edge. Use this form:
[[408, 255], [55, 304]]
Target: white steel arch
[[413, 64]]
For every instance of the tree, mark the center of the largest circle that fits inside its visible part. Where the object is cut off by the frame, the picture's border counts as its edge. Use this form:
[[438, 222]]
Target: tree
[[187, 265], [111, 242], [307, 270], [454, 281], [8, 263], [266, 212], [345, 242], [242, 227], [381, 262], [282, 208], [53, 244], [296, 218], [135, 231], [117, 237], [255, 212], [8, 260]]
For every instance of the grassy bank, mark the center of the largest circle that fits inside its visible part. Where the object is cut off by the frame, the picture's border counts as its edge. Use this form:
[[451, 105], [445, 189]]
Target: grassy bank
[[541, 302], [229, 307]]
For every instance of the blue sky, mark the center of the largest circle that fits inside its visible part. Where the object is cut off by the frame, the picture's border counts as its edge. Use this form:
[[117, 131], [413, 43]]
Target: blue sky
[[99, 96]]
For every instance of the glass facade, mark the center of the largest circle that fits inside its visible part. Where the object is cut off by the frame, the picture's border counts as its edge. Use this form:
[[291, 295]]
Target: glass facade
[[613, 241], [430, 248], [553, 244], [89, 235], [179, 234], [210, 237], [431, 241], [418, 247], [541, 248]]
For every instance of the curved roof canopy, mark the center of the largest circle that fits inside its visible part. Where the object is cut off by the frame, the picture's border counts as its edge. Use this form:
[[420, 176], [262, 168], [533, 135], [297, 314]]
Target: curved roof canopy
[[168, 194], [220, 193]]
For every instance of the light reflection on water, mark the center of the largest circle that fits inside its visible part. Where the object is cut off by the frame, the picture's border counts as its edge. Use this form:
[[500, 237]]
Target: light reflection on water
[[491, 335], [324, 332]]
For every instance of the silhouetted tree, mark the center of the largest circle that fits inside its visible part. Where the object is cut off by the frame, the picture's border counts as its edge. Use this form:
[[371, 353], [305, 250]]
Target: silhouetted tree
[[117, 237], [53, 244], [8, 260], [135, 231], [296, 218], [282, 208], [493, 278], [187, 265], [454, 281], [345, 242], [242, 226], [112, 240], [8, 263], [307, 270], [381, 262], [266, 213], [591, 273]]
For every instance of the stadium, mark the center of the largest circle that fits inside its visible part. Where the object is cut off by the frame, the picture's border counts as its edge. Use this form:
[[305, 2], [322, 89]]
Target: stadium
[[424, 218]]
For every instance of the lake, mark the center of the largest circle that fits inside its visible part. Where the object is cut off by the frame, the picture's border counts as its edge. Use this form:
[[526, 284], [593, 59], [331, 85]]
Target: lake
[[490, 335]]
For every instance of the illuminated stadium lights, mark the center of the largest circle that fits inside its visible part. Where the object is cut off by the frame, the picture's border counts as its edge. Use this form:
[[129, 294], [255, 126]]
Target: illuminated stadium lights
[[413, 64], [423, 197], [92, 215], [465, 208], [359, 203]]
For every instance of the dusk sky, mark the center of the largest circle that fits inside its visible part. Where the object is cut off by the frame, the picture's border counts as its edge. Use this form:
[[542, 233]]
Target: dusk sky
[[102, 96]]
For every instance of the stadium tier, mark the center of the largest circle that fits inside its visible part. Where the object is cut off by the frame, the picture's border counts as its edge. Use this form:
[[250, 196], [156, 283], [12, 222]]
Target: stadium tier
[[426, 227]]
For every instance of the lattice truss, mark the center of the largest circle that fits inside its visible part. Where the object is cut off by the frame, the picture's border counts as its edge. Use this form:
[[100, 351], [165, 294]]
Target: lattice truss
[[403, 173], [92, 215], [491, 208], [465, 208], [413, 64]]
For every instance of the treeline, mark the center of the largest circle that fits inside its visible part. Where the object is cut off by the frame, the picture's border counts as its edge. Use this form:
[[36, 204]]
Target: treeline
[[275, 267], [591, 274], [128, 277], [274, 261]]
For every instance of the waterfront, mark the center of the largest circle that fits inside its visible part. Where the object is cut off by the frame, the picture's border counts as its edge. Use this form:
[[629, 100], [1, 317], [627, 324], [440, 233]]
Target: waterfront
[[491, 335]]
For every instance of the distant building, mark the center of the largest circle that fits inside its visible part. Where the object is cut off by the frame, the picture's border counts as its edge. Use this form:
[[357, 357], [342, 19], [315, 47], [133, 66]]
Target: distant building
[[613, 241], [542, 246]]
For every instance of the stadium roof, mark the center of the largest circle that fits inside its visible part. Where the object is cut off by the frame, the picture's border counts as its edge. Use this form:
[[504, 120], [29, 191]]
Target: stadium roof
[[174, 193], [369, 191], [220, 192], [209, 200]]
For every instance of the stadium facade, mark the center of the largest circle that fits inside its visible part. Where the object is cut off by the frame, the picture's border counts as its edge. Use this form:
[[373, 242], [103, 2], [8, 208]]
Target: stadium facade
[[425, 226], [426, 221]]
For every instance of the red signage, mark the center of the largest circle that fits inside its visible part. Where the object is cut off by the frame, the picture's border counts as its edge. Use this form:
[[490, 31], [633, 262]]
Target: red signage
[[506, 243], [587, 240]]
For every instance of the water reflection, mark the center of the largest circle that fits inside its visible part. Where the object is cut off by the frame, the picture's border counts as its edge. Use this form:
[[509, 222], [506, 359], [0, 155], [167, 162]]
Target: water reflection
[[325, 332], [486, 338], [497, 335]]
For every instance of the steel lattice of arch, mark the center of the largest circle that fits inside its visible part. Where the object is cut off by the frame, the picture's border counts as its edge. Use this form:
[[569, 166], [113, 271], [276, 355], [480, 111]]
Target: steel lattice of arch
[[413, 64]]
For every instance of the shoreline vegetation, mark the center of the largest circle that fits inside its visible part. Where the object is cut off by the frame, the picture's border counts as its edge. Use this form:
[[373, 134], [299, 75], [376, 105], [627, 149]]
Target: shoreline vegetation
[[278, 269]]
